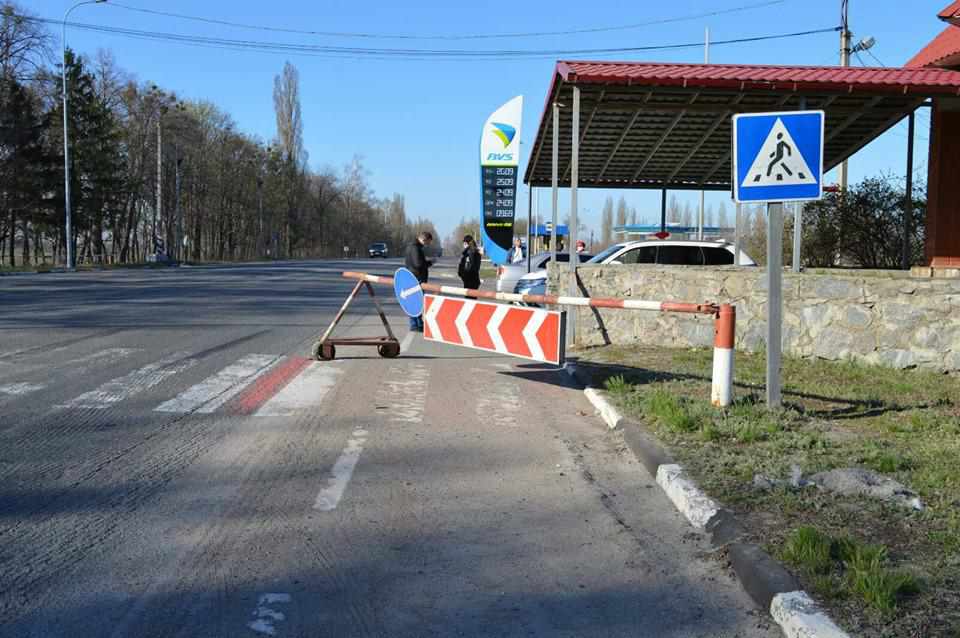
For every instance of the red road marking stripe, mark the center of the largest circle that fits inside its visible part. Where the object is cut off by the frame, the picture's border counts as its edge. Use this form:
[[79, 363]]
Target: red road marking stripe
[[549, 337], [512, 331], [267, 386]]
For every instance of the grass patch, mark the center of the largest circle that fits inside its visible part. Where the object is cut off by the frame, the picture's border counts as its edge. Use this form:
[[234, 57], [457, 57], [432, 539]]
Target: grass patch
[[858, 556]]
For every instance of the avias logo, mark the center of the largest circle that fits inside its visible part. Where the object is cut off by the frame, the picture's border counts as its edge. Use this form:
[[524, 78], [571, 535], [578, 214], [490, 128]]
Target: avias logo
[[505, 133]]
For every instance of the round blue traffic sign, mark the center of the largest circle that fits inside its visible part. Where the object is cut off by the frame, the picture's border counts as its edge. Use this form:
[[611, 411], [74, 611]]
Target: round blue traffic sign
[[408, 291]]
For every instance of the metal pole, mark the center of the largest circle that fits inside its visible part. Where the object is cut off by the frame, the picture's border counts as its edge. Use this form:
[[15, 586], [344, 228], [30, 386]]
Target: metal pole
[[706, 60], [554, 180], [736, 234], [774, 301], [574, 213], [66, 139], [907, 258], [797, 234], [529, 224], [663, 210], [177, 215], [845, 37], [157, 214], [66, 151]]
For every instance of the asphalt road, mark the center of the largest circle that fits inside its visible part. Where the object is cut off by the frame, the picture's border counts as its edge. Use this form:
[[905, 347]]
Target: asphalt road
[[172, 463]]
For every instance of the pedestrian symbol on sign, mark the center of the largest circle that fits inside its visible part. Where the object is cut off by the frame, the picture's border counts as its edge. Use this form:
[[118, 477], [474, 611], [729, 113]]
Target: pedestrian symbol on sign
[[779, 163]]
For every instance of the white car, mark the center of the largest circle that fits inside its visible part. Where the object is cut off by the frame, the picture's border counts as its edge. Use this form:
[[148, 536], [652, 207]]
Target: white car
[[509, 274], [679, 252]]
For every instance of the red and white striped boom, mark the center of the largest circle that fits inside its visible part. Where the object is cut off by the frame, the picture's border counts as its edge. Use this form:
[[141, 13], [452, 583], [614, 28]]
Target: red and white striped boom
[[553, 300], [725, 320]]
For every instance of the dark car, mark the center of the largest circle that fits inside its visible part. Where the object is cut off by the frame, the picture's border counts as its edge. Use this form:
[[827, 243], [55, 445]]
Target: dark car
[[377, 249]]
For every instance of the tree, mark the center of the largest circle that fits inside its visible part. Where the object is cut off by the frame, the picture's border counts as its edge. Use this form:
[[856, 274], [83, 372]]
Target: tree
[[24, 44], [633, 215], [722, 220], [674, 212], [286, 105], [864, 227], [621, 212], [687, 218], [26, 171], [606, 222]]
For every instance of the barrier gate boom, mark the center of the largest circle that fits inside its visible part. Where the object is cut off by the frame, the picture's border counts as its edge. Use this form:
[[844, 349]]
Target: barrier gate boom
[[528, 333]]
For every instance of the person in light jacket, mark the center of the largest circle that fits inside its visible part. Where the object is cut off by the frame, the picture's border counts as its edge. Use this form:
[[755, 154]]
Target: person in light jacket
[[469, 268]]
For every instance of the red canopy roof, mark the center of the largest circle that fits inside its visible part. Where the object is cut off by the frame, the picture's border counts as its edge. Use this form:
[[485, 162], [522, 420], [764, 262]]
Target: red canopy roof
[[943, 51], [951, 13], [920, 81]]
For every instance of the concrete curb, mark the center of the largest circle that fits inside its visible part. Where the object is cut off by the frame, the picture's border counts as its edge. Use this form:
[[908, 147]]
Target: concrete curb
[[765, 580]]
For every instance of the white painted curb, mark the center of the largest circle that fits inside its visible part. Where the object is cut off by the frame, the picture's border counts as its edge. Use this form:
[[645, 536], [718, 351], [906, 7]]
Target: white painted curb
[[800, 617], [686, 496], [610, 414]]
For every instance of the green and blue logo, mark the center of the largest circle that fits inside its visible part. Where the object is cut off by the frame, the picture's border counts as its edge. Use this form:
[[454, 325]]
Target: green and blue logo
[[504, 132]]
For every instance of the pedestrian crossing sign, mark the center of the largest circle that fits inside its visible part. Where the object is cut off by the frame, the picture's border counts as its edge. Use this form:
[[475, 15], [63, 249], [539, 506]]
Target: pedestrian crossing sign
[[778, 157]]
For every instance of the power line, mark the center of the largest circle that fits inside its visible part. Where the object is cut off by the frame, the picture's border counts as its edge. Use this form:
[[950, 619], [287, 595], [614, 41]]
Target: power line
[[476, 36], [365, 52]]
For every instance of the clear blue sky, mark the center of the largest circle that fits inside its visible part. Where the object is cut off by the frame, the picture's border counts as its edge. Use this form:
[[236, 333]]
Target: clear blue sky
[[416, 123]]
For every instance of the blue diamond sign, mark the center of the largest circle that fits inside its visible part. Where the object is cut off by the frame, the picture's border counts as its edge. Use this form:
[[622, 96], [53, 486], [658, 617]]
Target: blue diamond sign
[[778, 157]]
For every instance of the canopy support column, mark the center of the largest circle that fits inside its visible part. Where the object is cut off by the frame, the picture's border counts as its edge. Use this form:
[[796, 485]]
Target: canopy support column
[[572, 239]]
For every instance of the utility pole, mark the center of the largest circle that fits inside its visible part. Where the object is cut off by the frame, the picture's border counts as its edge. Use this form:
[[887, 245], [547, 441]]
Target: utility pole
[[706, 60], [157, 213], [178, 247], [845, 37]]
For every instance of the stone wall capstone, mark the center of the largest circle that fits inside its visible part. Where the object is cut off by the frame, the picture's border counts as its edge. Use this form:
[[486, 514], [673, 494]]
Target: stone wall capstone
[[874, 317]]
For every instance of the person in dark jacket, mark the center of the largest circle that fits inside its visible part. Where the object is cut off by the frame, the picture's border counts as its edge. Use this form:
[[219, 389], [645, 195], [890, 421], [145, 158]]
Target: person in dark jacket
[[417, 263], [469, 268]]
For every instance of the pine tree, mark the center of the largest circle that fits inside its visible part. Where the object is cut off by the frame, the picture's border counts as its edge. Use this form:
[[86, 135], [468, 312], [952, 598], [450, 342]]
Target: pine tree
[[622, 212], [26, 171]]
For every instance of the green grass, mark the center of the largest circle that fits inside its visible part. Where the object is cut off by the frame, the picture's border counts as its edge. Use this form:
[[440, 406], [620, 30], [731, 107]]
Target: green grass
[[809, 550], [905, 424]]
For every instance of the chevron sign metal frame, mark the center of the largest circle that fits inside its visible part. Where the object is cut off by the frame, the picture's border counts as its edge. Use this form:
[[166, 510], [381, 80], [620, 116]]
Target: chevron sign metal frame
[[517, 331]]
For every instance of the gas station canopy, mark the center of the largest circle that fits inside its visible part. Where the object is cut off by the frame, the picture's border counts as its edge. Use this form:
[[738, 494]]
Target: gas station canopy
[[667, 126]]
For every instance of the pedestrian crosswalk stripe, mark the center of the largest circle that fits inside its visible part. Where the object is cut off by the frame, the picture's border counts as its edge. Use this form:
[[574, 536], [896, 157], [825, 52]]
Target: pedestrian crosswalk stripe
[[779, 162], [307, 389], [211, 393], [131, 384]]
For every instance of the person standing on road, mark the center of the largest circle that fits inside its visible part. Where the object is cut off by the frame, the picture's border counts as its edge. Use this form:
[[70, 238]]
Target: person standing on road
[[417, 263], [469, 268]]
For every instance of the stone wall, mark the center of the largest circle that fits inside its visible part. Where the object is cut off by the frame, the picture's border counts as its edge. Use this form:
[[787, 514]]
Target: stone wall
[[876, 317]]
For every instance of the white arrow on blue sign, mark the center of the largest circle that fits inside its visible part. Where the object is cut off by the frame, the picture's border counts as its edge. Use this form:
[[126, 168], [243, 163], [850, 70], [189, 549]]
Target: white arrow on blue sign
[[778, 157], [408, 291]]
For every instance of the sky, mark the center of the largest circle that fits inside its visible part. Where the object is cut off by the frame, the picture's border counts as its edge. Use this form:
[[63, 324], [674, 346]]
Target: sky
[[416, 123]]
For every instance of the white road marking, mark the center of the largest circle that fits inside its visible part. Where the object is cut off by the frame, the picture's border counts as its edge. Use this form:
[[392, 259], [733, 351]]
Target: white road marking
[[404, 393], [500, 402], [20, 389], [329, 497], [129, 385], [214, 391], [308, 389], [264, 616], [407, 341]]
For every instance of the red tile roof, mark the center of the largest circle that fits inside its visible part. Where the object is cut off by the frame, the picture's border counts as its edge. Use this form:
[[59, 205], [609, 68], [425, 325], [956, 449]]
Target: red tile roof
[[943, 51], [951, 13], [916, 81]]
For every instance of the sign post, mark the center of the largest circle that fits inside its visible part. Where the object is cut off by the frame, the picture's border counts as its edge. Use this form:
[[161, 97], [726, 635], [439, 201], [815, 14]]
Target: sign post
[[777, 157], [499, 159]]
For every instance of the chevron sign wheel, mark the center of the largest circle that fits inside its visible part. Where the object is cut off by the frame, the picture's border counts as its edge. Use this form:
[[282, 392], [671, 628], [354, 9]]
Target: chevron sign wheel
[[529, 333]]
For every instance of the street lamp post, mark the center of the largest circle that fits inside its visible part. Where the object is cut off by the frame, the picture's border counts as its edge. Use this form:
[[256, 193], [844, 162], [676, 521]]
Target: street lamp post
[[66, 139]]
